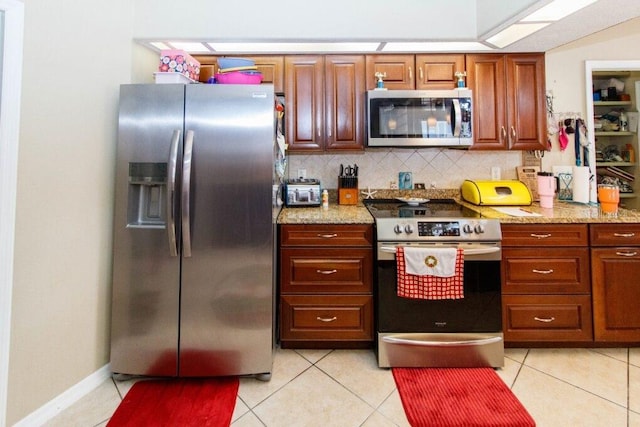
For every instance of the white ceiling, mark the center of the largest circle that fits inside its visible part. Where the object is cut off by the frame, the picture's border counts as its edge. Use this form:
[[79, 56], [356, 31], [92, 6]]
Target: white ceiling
[[596, 17], [381, 21]]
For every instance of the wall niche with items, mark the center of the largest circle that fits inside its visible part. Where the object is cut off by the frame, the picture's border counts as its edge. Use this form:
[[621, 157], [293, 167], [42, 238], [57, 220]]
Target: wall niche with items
[[612, 120]]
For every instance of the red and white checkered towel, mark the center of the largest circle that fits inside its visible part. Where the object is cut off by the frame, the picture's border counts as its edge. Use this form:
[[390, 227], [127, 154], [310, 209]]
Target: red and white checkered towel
[[430, 287]]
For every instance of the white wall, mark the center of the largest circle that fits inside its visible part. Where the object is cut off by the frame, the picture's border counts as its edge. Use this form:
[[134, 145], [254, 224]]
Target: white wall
[[76, 53]]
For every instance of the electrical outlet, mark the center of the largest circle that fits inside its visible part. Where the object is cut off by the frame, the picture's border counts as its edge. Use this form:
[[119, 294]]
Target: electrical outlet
[[495, 173], [302, 173]]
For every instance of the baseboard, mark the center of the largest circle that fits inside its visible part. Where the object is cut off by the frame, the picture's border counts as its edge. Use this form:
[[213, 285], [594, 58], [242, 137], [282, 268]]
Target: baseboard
[[66, 399]]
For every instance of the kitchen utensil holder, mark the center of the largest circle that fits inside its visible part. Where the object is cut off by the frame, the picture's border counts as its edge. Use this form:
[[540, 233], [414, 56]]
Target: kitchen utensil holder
[[348, 191]]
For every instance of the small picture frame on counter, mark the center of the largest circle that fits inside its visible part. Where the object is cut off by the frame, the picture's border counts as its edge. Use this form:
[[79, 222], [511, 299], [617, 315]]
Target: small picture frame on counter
[[405, 181]]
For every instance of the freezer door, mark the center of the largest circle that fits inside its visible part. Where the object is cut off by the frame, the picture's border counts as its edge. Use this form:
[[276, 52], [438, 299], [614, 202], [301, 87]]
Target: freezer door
[[227, 283], [146, 266]]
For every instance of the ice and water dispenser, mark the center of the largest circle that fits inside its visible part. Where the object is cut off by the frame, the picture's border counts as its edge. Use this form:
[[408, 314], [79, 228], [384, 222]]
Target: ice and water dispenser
[[147, 195]]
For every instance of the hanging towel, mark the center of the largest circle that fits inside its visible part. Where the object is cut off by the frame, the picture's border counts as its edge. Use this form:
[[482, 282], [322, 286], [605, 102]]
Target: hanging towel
[[440, 262], [428, 286]]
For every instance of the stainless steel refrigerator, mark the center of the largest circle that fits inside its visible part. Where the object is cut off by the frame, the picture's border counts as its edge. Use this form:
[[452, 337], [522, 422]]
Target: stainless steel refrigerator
[[193, 270]]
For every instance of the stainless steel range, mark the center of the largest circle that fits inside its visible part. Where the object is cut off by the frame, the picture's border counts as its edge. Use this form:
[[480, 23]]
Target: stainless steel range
[[464, 332]]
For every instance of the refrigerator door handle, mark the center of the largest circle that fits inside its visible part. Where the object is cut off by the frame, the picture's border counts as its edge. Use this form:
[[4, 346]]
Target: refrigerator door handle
[[186, 193], [171, 193]]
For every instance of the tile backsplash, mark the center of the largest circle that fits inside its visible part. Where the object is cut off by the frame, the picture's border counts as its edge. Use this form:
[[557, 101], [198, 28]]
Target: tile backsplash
[[435, 167]]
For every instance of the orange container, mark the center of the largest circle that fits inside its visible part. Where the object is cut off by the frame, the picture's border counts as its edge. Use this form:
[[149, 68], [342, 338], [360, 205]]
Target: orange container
[[609, 197]]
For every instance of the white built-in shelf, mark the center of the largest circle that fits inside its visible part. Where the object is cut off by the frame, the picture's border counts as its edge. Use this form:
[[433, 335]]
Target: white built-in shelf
[[605, 164], [613, 133], [611, 103]]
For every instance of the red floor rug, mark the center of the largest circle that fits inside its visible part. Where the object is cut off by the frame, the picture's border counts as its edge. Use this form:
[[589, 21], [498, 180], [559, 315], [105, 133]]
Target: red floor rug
[[464, 397], [178, 402]]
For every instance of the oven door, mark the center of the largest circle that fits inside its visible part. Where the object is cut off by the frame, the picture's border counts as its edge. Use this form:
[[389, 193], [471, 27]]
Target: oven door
[[464, 332]]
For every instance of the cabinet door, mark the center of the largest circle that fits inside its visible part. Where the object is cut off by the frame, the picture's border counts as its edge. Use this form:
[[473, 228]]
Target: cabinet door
[[438, 71], [399, 70], [486, 78], [526, 109], [272, 69], [616, 292], [304, 90], [344, 102]]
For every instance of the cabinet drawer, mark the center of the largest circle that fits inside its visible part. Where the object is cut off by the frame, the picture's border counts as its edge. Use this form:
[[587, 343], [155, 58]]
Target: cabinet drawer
[[547, 271], [615, 234], [326, 235], [545, 235], [326, 318], [326, 270], [547, 318]]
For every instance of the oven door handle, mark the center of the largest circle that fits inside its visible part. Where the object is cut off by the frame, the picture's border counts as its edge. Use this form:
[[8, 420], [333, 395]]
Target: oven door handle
[[478, 342], [469, 251]]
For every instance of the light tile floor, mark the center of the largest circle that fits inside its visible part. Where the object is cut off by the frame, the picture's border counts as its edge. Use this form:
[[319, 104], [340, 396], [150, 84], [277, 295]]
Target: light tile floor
[[559, 387]]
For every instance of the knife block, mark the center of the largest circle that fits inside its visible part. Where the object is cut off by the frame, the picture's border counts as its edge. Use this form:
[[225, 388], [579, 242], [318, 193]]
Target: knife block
[[348, 196]]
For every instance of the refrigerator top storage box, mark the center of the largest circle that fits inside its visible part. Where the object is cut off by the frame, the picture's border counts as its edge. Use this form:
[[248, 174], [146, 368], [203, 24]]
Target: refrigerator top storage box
[[178, 61]]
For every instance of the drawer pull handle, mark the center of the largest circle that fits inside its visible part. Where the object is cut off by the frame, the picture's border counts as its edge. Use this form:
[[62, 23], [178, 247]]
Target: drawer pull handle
[[544, 320], [540, 236], [328, 236], [327, 272], [543, 271], [327, 319], [624, 234], [629, 254]]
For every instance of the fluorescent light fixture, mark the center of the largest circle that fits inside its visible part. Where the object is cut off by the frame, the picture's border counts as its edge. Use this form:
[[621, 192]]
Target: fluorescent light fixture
[[514, 33], [191, 47], [284, 47], [557, 10], [434, 47], [160, 45]]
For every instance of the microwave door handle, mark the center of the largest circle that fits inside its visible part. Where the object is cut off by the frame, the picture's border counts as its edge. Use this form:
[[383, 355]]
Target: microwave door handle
[[457, 114], [171, 193], [186, 194]]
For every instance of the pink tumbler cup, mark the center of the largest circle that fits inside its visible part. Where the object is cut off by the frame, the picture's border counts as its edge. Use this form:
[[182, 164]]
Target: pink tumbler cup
[[546, 189]]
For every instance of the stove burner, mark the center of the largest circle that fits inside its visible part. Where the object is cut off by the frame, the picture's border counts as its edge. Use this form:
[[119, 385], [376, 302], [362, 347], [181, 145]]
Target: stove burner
[[434, 208]]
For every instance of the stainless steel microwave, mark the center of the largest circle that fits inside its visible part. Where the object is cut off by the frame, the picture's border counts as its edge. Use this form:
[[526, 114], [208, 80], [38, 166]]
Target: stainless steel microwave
[[419, 118]]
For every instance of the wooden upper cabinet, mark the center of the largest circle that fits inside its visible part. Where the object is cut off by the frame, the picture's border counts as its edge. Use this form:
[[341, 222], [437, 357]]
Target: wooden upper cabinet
[[304, 90], [415, 71], [271, 67], [344, 102], [324, 108], [398, 68], [526, 102], [486, 79], [438, 71], [509, 101]]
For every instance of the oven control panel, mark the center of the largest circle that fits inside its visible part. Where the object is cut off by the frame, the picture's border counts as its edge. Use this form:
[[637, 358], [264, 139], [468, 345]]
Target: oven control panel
[[449, 230]]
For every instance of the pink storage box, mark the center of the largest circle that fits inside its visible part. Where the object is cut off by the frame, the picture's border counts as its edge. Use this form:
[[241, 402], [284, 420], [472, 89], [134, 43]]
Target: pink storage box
[[179, 61]]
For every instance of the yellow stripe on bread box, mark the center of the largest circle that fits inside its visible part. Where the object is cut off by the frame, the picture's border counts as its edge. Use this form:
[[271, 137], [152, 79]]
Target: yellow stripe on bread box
[[496, 193]]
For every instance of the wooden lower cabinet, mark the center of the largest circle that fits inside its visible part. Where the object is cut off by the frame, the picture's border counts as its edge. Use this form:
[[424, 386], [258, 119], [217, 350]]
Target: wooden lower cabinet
[[615, 270], [546, 284], [326, 286]]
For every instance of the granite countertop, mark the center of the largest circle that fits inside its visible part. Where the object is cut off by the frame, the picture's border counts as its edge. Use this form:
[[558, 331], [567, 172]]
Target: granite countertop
[[562, 212]]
